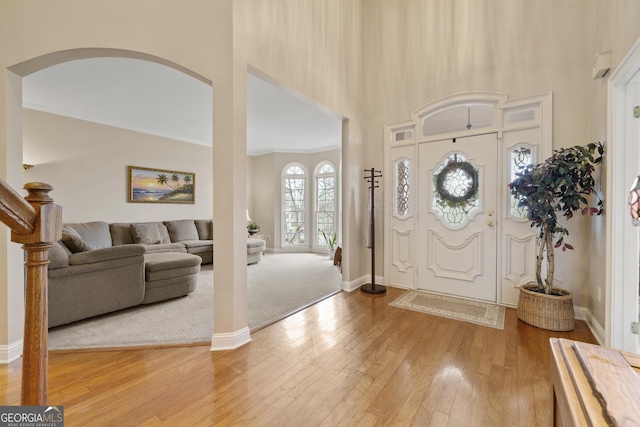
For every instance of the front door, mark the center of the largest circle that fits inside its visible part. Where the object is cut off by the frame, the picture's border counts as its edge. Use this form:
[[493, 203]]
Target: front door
[[457, 203]]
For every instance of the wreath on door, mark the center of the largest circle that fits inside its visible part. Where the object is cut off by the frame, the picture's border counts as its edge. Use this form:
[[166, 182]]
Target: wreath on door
[[466, 190]]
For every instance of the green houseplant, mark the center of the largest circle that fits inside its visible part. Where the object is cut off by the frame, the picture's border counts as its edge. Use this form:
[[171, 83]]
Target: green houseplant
[[253, 228], [560, 184], [331, 242]]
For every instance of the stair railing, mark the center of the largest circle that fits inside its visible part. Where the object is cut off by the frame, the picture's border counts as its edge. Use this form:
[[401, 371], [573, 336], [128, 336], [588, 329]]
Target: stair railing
[[36, 222]]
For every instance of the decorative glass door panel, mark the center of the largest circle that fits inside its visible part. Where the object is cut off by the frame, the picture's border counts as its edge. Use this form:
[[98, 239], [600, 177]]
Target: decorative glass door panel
[[402, 187], [455, 192]]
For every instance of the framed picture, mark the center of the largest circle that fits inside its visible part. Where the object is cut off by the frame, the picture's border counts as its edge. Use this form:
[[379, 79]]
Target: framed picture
[[148, 185]]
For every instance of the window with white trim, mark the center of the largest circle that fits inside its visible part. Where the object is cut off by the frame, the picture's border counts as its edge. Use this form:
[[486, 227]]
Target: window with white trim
[[294, 193], [325, 202]]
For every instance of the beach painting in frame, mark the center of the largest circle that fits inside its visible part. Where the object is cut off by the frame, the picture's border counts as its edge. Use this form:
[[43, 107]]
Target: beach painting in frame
[[161, 186]]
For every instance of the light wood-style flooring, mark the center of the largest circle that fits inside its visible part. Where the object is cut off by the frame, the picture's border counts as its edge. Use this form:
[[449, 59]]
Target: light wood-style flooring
[[350, 360]]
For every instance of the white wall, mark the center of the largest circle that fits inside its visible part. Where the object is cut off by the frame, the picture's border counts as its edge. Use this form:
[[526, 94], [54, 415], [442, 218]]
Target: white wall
[[86, 163]]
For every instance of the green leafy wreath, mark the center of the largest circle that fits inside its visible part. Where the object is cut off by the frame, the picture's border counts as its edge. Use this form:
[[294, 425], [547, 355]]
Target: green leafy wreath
[[451, 200]]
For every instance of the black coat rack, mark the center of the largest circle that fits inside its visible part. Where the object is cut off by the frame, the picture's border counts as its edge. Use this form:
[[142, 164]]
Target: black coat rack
[[372, 288]]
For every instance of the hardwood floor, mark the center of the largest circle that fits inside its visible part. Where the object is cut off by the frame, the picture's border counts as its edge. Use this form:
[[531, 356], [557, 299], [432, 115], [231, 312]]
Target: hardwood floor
[[349, 360]]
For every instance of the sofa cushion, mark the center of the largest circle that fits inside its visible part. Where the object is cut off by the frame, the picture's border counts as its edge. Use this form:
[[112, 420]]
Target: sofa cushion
[[165, 247], [199, 247], [106, 254], [145, 233], [121, 233], [165, 266], [183, 229], [197, 244], [205, 229], [58, 257], [95, 234], [255, 245], [164, 233], [74, 242]]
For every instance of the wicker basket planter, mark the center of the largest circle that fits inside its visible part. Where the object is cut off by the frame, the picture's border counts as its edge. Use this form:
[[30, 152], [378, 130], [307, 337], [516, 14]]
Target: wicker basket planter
[[552, 312]]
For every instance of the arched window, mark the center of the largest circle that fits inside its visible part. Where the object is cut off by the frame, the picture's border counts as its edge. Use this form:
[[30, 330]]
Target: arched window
[[325, 202], [294, 183]]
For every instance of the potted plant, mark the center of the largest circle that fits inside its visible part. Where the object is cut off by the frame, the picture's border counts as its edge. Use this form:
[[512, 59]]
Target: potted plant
[[253, 228], [559, 184], [331, 242]]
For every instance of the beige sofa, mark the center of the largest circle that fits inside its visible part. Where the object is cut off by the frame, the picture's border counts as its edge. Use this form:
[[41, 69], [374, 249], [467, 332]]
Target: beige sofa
[[99, 268]]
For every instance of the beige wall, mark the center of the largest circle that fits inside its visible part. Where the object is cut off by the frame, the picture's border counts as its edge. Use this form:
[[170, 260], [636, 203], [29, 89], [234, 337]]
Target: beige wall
[[371, 62], [86, 163], [265, 203], [197, 35], [421, 50], [314, 49], [614, 27]]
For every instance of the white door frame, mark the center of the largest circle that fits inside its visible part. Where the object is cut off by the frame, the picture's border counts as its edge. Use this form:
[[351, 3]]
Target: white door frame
[[623, 165], [510, 116]]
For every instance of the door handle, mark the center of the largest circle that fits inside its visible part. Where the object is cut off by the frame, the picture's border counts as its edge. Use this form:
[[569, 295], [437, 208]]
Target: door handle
[[490, 213], [490, 223]]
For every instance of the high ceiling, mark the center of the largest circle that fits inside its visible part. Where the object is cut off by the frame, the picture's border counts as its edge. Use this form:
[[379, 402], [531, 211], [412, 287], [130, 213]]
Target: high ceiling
[[147, 97]]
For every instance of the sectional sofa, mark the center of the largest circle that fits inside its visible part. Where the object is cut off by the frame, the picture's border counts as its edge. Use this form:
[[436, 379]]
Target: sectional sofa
[[98, 268]]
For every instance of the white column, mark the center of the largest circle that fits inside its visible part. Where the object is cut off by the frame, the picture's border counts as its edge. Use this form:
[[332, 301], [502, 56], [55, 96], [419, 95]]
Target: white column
[[230, 328]]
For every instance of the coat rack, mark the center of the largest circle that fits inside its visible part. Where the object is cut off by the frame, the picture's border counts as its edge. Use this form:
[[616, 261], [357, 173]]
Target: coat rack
[[372, 288]]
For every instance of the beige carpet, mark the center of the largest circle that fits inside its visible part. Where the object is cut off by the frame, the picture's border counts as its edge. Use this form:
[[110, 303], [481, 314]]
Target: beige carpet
[[277, 286], [480, 313]]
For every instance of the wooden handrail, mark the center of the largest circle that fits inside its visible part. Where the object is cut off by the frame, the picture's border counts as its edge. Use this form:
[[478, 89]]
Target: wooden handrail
[[15, 212], [36, 222]]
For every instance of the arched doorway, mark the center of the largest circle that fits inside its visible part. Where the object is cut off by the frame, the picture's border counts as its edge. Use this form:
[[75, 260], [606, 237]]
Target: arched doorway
[[14, 123]]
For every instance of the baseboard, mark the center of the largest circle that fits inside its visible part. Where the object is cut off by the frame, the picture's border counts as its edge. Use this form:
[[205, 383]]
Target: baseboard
[[355, 284], [346, 286], [580, 312], [596, 328], [583, 313], [230, 340], [11, 352]]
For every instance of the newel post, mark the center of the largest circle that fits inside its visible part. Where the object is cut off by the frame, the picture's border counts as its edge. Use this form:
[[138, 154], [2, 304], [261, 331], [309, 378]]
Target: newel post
[[47, 230]]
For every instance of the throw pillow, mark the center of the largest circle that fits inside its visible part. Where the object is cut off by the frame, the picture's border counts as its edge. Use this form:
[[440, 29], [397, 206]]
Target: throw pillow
[[75, 243], [145, 234], [58, 258], [181, 230], [95, 233], [164, 233], [205, 229]]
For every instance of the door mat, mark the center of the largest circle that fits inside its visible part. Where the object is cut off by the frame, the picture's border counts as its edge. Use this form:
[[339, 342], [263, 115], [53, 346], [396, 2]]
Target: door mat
[[478, 312]]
